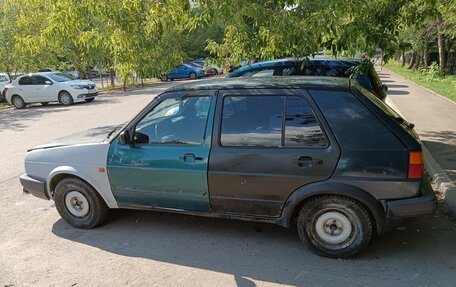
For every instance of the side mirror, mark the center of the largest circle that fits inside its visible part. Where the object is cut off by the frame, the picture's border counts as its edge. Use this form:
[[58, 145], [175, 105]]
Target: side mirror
[[124, 137], [385, 87], [48, 82]]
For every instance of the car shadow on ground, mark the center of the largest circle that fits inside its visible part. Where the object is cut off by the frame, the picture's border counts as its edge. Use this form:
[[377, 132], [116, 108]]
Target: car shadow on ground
[[257, 251], [13, 119], [393, 86], [397, 92]]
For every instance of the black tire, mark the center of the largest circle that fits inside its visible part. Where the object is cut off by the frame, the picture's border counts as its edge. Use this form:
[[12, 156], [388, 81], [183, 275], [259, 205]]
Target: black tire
[[89, 100], [97, 208], [44, 103], [18, 102], [164, 78], [65, 98], [327, 214], [192, 76]]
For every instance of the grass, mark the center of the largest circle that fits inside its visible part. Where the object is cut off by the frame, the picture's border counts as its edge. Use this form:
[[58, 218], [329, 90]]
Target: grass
[[443, 86], [117, 86], [4, 105]]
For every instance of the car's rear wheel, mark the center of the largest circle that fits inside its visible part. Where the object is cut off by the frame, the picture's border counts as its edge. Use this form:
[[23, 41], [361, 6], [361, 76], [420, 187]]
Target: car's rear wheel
[[164, 78], [18, 102], [89, 100], [44, 103], [79, 204], [334, 226], [65, 99], [192, 76]]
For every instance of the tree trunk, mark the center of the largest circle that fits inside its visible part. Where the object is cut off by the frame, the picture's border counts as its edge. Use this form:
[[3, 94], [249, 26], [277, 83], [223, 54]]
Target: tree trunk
[[111, 74], [417, 62], [124, 85], [412, 60], [441, 45], [403, 58], [426, 56], [142, 82]]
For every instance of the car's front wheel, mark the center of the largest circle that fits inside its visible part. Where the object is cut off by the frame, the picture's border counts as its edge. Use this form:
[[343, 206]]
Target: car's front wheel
[[334, 226], [18, 102], [65, 99], [192, 76], [79, 204], [164, 78]]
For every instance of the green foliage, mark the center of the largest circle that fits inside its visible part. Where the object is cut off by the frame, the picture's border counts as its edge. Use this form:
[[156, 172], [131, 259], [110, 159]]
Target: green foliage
[[433, 72]]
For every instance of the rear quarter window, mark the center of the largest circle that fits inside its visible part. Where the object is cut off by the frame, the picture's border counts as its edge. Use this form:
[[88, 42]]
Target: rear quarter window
[[353, 124]]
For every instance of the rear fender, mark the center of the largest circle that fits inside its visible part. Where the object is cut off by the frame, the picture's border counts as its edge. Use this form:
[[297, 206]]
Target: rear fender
[[335, 188]]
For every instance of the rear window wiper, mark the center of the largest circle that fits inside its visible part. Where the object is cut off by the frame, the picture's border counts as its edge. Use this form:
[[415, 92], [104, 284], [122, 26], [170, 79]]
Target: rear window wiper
[[400, 120]]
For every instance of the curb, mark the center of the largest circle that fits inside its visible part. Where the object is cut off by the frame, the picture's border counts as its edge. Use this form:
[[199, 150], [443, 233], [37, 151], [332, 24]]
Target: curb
[[442, 180], [440, 177]]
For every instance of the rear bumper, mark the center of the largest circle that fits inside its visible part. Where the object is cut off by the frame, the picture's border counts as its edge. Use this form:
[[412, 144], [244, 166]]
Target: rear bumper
[[34, 186], [424, 204]]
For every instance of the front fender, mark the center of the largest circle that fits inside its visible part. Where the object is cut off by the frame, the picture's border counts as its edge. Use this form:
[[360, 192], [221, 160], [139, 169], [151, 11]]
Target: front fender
[[99, 181], [335, 188]]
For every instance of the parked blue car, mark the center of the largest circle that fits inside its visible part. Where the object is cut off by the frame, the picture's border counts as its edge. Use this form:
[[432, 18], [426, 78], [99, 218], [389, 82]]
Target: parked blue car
[[183, 71], [314, 67]]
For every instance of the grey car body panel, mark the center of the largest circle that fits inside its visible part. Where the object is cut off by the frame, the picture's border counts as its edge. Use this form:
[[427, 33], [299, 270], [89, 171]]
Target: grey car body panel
[[95, 135]]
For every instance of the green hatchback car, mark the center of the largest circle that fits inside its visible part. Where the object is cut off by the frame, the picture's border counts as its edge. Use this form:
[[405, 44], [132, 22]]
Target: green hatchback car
[[322, 153]]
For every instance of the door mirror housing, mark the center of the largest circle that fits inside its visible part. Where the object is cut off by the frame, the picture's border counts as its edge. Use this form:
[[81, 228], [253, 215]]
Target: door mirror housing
[[48, 82], [125, 137], [385, 88]]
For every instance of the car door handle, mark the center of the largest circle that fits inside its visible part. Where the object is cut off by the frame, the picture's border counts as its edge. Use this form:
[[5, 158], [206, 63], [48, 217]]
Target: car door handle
[[307, 162], [190, 158]]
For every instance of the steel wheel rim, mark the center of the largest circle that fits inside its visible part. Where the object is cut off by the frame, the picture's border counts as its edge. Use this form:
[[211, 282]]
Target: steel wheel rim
[[334, 229], [17, 102], [77, 204], [65, 99]]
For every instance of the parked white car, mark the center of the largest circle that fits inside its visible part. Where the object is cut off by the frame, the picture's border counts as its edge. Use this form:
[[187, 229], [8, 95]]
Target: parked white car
[[4, 80], [49, 87]]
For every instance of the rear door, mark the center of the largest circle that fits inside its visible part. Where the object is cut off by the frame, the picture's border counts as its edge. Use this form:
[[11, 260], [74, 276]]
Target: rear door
[[267, 144]]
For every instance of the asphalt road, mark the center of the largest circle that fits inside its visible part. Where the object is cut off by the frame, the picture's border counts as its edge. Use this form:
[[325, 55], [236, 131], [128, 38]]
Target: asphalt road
[[136, 248]]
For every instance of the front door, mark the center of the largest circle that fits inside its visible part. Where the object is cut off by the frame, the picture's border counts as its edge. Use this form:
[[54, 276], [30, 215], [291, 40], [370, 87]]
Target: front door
[[166, 167], [269, 144]]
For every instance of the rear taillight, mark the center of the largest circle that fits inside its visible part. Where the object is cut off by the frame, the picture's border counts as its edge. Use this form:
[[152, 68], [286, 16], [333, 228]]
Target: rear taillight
[[416, 165], [4, 90]]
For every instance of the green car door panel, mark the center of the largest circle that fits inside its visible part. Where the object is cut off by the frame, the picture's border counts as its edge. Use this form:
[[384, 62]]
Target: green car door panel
[[167, 165]]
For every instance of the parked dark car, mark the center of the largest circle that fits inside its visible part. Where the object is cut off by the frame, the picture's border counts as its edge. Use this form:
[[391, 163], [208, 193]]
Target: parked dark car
[[317, 152], [314, 67]]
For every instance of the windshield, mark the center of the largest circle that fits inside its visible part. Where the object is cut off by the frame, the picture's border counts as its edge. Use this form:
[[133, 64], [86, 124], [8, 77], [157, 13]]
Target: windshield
[[60, 77]]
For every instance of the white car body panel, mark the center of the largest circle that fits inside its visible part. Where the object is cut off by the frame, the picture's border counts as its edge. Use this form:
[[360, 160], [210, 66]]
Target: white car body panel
[[83, 161]]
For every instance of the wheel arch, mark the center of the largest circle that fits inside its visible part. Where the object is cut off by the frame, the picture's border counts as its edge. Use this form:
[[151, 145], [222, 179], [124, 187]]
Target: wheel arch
[[64, 91], [62, 172], [296, 200]]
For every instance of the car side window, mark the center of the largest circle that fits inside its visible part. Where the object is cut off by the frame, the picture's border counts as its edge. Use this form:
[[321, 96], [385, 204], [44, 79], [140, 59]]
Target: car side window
[[252, 121], [25, 81], [302, 129], [3, 79], [175, 121], [39, 80]]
